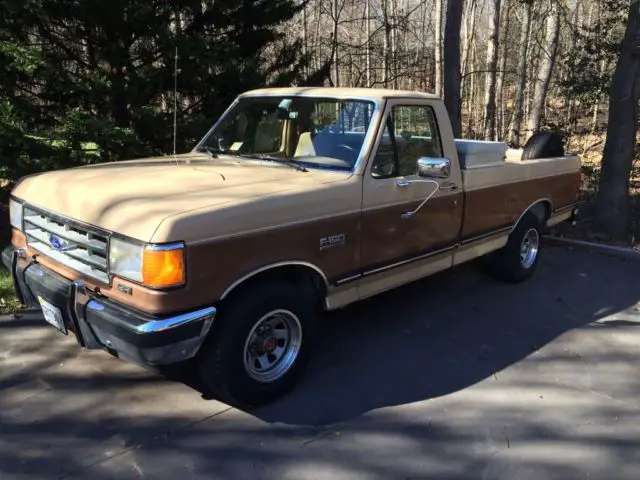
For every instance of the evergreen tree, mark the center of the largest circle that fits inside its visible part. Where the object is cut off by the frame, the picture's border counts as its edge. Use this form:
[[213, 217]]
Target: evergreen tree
[[82, 73]]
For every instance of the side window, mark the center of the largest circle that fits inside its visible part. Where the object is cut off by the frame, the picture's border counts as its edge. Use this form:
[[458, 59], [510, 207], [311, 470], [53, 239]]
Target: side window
[[385, 163], [411, 132]]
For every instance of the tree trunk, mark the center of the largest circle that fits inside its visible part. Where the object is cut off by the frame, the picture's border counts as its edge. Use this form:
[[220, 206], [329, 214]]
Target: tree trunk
[[503, 66], [522, 73], [336, 58], [594, 117], [316, 35], [469, 32], [533, 54], [601, 69], [613, 206], [438, 47], [596, 106], [394, 44], [570, 72], [452, 76], [367, 15], [467, 89], [305, 38], [492, 65], [387, 41], [545, 70]]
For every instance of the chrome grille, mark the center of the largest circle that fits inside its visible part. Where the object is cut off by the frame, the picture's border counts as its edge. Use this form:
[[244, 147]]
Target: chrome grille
[[77, 246]]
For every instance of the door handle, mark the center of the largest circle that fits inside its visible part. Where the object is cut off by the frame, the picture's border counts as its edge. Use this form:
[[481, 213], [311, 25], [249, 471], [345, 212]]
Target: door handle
[[403, 183]]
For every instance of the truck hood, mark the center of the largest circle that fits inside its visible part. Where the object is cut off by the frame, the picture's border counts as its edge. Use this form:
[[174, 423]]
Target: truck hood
[[134, 197]]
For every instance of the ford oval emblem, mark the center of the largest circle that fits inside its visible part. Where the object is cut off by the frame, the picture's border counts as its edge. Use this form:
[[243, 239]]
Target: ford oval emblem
[[58, 243]]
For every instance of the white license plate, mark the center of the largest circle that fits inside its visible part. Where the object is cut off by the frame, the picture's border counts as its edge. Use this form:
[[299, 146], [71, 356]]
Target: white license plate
[[52, 315]]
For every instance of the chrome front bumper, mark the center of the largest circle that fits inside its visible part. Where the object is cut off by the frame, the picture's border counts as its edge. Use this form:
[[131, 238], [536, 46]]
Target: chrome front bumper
[[98, 322]]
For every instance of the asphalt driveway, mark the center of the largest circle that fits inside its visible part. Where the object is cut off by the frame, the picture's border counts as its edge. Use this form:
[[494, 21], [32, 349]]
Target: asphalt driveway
[[454, 377]]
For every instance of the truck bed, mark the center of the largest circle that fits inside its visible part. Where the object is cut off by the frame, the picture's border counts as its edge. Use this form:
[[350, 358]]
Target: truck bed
[[488, 164], [513, 169]]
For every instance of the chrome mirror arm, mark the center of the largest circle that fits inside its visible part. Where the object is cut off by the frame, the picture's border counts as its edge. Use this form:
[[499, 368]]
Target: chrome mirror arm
[[409, 215]]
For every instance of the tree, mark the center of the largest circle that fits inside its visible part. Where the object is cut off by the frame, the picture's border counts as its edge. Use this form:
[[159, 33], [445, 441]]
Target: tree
[[335, 14], [547, 62], [492, 65], [613, 209], [506, 16], [367, 14], [452, 75], [102, 72], [437, 45], [522, 71]]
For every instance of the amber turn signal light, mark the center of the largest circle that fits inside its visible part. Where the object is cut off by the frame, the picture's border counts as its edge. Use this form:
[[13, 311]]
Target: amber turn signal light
[[163, 268]]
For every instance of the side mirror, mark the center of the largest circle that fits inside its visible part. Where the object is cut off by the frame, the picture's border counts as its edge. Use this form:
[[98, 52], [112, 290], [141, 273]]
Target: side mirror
[[434, 167]]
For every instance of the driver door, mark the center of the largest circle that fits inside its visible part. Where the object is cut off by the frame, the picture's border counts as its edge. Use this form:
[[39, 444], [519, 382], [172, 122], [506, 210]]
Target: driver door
[[407, 220]]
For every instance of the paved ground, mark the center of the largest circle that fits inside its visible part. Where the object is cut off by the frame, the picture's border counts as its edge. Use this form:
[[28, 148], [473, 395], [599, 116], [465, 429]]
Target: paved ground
[[454, 377]]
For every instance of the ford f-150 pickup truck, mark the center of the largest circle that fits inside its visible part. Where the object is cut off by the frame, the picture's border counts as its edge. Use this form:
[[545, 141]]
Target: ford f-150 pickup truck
[[298, 200]]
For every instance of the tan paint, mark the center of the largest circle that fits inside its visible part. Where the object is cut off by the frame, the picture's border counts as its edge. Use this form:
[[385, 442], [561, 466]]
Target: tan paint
[[305, 198], [559, 218], [516, 171], [378, 94], [473, 250], [402, 275], [339, 297], [157, 200]]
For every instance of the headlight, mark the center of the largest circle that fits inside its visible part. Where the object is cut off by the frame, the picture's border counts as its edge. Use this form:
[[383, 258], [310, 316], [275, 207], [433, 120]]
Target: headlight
[[125, 259], [157, 266], [15, 214]]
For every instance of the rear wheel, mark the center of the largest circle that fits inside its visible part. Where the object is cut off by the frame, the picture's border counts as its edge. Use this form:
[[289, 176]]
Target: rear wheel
[[260, 346], [518, 260]]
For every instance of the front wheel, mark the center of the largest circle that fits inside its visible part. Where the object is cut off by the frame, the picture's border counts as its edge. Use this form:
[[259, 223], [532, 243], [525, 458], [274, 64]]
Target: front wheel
[[518, 260], [260, 345]]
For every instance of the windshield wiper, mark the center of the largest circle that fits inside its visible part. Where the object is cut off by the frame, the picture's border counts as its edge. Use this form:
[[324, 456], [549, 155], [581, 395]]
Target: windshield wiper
[[215, 152], [289, 162]]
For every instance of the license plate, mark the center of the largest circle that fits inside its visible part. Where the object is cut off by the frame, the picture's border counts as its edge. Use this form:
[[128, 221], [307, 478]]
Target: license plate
[[52, 315]]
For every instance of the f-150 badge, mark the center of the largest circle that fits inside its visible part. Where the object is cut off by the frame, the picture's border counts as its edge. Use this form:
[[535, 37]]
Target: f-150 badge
[[332, 241]]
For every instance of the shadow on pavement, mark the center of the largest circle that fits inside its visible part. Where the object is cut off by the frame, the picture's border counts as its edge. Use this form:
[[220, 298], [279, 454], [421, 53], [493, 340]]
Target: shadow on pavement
[[448, 332], [449, 339]]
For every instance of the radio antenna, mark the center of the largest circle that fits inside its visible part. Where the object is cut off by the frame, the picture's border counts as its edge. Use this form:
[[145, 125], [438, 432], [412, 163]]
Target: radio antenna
[[175, 104]]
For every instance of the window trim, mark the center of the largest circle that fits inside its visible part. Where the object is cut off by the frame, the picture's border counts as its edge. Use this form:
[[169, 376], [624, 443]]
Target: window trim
[[369, 139], [388, 123]]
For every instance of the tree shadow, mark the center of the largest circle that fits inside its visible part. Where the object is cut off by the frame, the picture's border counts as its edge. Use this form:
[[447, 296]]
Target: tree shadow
[[449, 339], [448, 332]]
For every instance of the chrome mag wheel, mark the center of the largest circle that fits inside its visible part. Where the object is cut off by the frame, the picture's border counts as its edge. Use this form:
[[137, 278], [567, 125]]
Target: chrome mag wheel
[[529, 248], [272, 346]]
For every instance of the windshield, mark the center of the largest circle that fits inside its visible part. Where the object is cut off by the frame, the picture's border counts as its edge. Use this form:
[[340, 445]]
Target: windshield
[[315, 132]]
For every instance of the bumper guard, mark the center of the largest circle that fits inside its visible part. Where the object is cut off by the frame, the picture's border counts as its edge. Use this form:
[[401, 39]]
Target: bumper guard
[[100, 323]]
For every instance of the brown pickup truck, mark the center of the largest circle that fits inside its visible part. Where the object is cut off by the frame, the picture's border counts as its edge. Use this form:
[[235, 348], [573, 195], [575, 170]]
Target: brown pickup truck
[[298, 200]]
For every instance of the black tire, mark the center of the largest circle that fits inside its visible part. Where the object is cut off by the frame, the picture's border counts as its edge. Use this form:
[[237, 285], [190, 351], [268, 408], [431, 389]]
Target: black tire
[[507, 264], [220, 362], [543, 145]]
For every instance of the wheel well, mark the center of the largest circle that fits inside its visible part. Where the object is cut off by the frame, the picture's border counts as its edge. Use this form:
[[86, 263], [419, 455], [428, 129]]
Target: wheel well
[[541, 209], [305, 277]]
